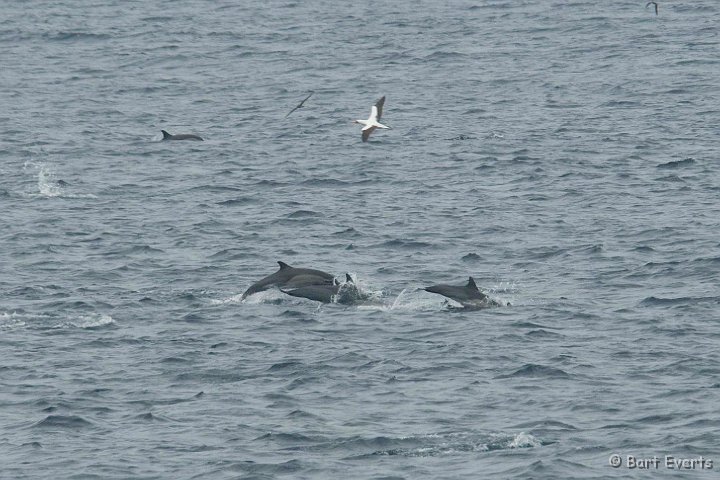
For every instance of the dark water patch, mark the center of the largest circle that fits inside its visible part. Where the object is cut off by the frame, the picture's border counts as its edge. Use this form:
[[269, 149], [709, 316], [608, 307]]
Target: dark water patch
[[325, 183], [529, 325], [75, 37], [288, 365], [532, 370], [152, 418], [303, 214], [237, 202], [349, 232], [669, 301], [677, 163], [404, 244], [546, 425], [471, 257], [261, 471], [65, 422], [543, 334], [215, 188], [670, 178]]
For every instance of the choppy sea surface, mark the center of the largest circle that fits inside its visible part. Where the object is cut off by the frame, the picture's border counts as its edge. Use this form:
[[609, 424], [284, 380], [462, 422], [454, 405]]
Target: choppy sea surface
[[563, 153]]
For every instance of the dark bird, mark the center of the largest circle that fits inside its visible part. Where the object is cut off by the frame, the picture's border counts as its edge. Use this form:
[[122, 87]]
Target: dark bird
[[300, 104], [652, 3]]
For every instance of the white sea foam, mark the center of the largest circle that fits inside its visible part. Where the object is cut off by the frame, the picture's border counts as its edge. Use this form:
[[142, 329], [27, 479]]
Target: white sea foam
[[48, 185], [524, 440], [10, 320], [87, 321]]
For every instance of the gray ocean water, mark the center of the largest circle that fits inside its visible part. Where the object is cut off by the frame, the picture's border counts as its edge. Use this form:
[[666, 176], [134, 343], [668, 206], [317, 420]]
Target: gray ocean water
[[563, 153]]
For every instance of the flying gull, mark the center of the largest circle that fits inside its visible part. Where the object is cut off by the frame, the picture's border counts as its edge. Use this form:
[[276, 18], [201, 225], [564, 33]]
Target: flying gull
[[373, 121], [652, 3], [299, 104]]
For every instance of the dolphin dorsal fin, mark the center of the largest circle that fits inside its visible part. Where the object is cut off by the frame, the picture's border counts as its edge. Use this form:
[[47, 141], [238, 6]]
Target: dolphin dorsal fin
[[471, 283], [166, 135], [348, 278], [283, 265]]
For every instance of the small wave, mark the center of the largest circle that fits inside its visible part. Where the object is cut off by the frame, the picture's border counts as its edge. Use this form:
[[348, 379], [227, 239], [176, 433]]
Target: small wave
[[236, 201], [69, 422], [670, 178], [303, 214], [651, 301], [437, 445], [351, 232], [677, 163], [11, 320], [88, 321], [325, 182], [74, 36], [532, 370], [400, 243]]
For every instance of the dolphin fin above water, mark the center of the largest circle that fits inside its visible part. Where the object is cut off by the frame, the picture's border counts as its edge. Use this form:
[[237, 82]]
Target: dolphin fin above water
[[468, 295], [328, 293], [181, 136], [288, 276]]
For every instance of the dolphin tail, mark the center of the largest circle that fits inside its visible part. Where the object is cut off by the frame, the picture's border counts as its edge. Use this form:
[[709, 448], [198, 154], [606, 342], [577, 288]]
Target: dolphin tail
[[166, 135]]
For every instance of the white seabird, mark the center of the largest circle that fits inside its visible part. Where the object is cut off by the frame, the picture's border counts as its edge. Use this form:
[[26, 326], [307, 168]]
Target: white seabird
[[373, 121]]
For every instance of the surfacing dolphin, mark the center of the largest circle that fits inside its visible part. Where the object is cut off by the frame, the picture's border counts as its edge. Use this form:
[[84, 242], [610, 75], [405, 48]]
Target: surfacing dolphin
[[327, 293], [469, 296], [290, 277], [181, 136]]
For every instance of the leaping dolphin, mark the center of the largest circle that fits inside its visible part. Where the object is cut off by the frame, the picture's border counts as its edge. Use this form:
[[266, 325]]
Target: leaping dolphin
[[181, 136], [321, 293], [469, 296], [290, 277]]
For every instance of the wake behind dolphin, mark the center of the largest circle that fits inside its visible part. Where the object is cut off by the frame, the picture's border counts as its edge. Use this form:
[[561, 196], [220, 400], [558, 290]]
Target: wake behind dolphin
[[290, 277]]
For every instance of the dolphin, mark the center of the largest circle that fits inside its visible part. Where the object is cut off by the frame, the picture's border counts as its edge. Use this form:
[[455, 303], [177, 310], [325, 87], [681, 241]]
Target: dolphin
[[291, 277], [324, 293], [469, 296], [181, 136]]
